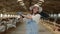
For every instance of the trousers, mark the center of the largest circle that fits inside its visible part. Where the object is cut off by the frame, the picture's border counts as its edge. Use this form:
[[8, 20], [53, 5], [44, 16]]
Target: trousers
[[31, 27]]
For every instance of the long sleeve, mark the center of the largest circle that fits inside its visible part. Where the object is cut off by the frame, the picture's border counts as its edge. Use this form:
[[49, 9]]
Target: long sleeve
[[36, 18]]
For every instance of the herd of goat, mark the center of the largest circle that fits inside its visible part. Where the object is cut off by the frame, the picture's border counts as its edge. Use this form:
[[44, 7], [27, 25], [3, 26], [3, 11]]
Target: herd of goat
[[8, 22]]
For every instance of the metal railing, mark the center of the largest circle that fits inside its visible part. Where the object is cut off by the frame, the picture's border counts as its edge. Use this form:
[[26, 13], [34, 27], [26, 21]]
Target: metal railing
[[54, 26]]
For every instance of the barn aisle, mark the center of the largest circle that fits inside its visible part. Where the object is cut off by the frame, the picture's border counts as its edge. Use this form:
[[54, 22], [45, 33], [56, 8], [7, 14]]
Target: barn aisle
[[21, 29]]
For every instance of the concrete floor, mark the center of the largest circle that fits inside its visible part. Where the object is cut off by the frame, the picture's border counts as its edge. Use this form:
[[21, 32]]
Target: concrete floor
[[20, 29]]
